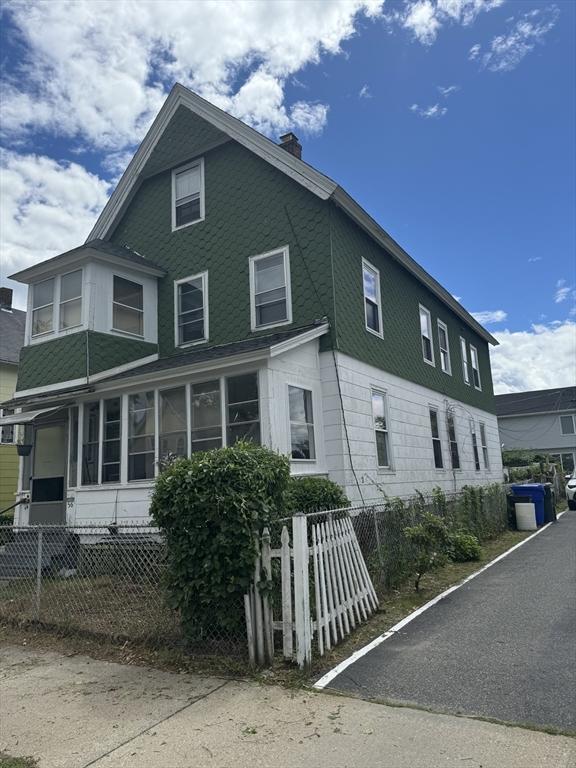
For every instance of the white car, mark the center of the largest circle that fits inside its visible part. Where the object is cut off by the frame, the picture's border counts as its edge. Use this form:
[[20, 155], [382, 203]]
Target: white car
[[571, 491]]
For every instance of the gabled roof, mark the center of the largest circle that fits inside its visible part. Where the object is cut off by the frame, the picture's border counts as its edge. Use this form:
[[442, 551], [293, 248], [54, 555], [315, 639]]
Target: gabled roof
[[317, 183], [12, 326], [537, 401], [101, 249]]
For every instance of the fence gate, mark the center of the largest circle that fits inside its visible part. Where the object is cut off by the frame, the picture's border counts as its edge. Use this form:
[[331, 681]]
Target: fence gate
[[325, 590]]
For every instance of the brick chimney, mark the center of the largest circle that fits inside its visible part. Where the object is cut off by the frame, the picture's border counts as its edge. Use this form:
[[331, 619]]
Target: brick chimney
[[290, 143], [5, 298]]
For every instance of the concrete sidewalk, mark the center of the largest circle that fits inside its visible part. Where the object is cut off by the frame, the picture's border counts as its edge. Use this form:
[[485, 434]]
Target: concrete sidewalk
[[75, 712]]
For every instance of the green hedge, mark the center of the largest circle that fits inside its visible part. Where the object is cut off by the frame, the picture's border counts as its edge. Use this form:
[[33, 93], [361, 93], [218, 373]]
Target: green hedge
[[313, 494]]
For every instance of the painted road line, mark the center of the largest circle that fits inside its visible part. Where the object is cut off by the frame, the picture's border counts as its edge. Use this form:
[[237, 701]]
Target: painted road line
[[329, 676]]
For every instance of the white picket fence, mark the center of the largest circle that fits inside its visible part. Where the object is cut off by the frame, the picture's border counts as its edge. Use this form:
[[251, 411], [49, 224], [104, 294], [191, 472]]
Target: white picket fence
[[343, 595]]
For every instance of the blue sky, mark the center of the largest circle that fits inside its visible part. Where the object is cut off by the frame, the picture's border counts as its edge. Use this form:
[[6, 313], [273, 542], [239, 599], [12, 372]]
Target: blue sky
[[451, 121]]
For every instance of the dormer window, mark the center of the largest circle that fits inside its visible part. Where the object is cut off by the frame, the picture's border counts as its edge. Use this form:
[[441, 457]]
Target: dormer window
[[188, 195], [128, 307], [71, 299], [43, 307]]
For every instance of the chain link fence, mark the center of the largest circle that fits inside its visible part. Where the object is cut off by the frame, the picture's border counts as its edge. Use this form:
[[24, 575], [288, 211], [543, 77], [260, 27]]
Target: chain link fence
[[102, 581]]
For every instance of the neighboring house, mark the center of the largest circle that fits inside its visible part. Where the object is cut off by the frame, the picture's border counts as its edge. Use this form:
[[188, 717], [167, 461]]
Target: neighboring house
[[230, 290], [543, 421], [12, 324]]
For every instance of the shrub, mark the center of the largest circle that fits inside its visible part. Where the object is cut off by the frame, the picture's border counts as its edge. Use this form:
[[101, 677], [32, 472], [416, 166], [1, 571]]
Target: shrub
[[210, 507], [431, 541], [313, 494], [463, 547]]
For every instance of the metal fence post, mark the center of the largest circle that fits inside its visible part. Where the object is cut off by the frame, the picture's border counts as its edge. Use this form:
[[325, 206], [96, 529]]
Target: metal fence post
[[38, 576], [302, 619]]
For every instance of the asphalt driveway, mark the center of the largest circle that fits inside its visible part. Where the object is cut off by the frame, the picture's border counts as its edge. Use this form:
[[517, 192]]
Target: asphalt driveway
[[502, 646]]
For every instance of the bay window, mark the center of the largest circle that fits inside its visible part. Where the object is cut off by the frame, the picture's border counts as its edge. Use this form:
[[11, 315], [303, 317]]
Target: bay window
[[70, 300], [301, 423], [127, 306], [43, 307]]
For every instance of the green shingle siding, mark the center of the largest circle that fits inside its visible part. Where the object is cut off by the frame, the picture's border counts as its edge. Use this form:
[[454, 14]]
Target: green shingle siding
[[400, 351], [64, 359], [251, 208]]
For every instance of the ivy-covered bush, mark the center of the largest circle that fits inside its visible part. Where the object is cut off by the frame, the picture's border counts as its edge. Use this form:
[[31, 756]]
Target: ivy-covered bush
[[210, 507], [464, 547], [313, 494]]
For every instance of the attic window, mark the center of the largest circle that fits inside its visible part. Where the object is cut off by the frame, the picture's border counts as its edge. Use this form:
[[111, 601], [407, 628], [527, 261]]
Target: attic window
[[188, 195]]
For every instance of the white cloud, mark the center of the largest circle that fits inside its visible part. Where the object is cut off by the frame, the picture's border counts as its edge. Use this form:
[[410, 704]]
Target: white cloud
[[424, 18], [435, 110], [541, 358], [101, 70], [365, 92], [507, 51], [563, 290], [47, 208], [488, 317], [448, 90], [474, 52], [532, 259]]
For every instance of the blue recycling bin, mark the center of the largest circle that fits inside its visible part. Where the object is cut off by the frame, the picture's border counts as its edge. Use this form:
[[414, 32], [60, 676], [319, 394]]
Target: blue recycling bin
[[536, 492]]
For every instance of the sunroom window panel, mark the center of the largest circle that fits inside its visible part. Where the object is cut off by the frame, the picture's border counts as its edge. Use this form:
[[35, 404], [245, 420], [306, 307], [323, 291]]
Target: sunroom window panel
[[71, 314], [71, 286], [111, 441], [242, 408], [43, 293], [91, 443], [42, 320], [141, 430], [173, 429], [206, 416]]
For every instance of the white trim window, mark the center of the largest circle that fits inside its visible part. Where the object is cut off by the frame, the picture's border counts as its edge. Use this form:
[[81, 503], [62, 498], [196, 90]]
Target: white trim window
[[475, 368], [475, 445], [70, 309], [444, 346], [173, 423], [567, 424], [127, 306], [372, 298], [484, 444], [43, 307], [7, 433], [465, 363], [242, 409], [270, 299], [379, 414], [141, 436], [426, 335], [436, 441], [301, 424], [206, 415], [191, 310], [453, 441], [188, 195], [90, 443], [112, 440]]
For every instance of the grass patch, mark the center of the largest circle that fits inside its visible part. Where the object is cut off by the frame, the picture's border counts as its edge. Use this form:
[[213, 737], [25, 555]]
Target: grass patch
[[17, 762]]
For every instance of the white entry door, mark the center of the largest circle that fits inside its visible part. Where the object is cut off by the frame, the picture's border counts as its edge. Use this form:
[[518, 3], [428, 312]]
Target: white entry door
[[47, 504]]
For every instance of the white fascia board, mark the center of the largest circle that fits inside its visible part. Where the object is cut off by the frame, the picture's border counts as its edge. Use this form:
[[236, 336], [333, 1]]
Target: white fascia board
[[369, 225], [303, 338], [298, 170]]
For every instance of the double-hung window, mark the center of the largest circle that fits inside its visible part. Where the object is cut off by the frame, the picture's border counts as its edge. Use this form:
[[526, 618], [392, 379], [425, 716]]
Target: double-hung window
[[173, 425], [475, 367], [475, 446], [141, 436], [454, 453], [436, 441], [301, 423], [128, 306], [567, 424], [444, 346], [191, 306], [188, 194], [7, 433], [270, 300], [426, 335], [43, 307], [372, 298], [381, 429], [465, 363], [484, 445], [242, 409], [111, 440], [71, 300]]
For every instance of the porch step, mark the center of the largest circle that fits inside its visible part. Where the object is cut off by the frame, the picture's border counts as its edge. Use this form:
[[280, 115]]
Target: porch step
[[19, 556]]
